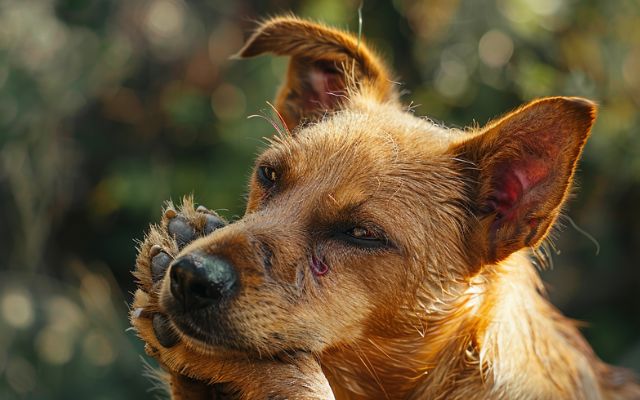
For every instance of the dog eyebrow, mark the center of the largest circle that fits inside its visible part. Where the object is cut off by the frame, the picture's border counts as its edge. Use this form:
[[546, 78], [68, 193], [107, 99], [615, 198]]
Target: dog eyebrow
[[347, 201], [357, 213], [271, 156]]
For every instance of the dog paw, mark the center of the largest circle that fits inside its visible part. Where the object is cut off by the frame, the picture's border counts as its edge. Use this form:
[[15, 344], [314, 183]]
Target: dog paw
[[179, 226]]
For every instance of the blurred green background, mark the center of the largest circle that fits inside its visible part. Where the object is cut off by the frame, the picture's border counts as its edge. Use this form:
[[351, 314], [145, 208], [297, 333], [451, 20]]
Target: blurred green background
[[108, 108]]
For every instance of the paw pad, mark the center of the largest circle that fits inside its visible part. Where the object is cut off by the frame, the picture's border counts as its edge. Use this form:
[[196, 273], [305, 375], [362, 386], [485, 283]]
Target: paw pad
[[212, 223], [181, 230], [159, 264]]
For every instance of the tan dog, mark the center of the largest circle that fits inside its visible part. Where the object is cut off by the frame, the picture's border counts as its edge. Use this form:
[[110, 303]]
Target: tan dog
[[380, 256]]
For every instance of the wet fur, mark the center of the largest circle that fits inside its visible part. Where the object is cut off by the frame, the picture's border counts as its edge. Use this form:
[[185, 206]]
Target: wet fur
[[453, 309]]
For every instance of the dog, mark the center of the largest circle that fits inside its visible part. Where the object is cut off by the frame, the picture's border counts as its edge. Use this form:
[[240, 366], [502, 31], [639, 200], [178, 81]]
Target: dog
[[381, 256]]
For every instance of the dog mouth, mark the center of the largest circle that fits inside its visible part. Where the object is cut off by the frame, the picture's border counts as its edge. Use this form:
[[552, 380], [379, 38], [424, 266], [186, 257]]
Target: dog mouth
[[203, 328], [210, 337], [224, 342]]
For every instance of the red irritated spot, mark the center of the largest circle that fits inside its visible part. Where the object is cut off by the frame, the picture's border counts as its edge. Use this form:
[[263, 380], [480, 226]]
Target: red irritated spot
[[318, 266]]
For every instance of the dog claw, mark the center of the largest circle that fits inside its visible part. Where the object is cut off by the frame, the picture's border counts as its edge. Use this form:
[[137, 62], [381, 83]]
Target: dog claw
[[164, 332], [159, 264], [150, 350], [182, 231], [170, 213], [155, 249], [137, 313], [203, 209], [140, 313], [212, 223]]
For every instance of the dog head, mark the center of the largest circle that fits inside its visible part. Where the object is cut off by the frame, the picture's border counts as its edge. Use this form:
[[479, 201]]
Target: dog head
[[357, 204]]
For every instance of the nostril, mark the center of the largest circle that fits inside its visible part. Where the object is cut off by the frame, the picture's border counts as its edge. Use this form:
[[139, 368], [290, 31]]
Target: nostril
[[205, 291], [174, 275], [198, 280], [178, 274]]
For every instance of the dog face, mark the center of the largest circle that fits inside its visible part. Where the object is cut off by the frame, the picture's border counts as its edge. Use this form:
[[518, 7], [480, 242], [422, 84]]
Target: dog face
[[363, 204]]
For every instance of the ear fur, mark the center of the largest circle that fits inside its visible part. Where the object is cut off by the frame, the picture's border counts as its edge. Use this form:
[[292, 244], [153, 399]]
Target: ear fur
[[326, 65], [525, 165]]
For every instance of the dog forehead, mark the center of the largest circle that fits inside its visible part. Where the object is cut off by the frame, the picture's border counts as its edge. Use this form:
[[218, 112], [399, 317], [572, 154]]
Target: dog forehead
[[370, 139], [363, 153]]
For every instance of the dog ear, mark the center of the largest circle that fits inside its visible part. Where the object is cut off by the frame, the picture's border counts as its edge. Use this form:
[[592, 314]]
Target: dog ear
[[524, 165], [326, 65]]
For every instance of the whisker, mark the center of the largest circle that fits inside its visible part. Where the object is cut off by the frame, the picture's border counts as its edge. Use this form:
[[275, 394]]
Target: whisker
[[281, 118]]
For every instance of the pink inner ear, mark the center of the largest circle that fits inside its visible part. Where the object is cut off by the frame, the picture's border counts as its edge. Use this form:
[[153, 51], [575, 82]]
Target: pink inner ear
[[326, 87], [512, 182]]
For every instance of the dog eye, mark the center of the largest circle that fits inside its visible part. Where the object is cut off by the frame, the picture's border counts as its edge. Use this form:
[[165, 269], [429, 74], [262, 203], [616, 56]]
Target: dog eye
[[267, 175], [362, 233], [365, 237]]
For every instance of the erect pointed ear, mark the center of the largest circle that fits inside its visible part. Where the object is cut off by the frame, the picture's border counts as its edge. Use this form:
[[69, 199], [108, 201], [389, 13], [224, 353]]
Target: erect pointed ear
[[524, 167], [326, 66]]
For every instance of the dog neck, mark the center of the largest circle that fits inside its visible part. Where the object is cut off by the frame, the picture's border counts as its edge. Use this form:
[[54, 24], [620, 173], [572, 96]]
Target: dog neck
[[494, 332]]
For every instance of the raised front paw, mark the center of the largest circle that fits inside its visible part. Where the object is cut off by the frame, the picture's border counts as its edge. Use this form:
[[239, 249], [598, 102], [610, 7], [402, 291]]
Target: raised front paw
[[179, 226]]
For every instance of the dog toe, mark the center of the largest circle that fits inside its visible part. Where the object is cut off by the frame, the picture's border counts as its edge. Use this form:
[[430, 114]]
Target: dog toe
[[165, 334], [181, 231], [212, 223], [159, 264]]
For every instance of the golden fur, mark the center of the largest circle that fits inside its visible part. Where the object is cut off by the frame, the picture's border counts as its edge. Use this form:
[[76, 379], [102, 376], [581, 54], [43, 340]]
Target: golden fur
[[450, 308]]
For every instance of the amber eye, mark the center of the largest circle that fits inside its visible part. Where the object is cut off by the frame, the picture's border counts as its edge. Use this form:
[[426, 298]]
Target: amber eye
[[363, 237], [268, 176], [362, 233]]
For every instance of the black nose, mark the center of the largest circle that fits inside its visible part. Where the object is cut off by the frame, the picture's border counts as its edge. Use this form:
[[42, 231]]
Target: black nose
[[199, 280]]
